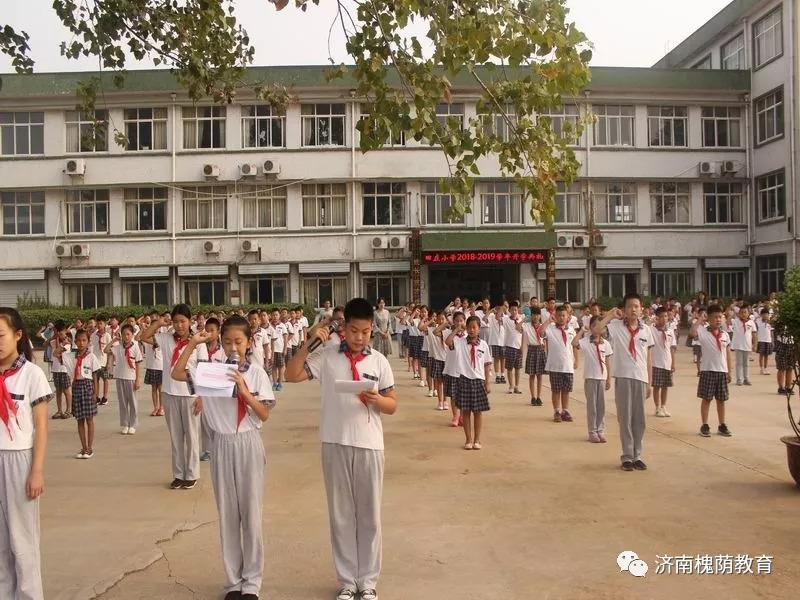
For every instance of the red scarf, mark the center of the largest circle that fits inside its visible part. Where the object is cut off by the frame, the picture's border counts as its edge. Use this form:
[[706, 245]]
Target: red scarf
[[473, 345], [600, 357], [241, 408], [128, 357], [78, 362], [212, 350], [718, 337], [632, 341], [354, 360], [179, 346], [538, 335], [7, 405], [563, 333]]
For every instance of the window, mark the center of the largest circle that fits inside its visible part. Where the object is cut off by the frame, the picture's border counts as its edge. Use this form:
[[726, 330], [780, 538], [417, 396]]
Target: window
[[87, 295], [450, 113], [769, 116], [86, 132], [145, 209], [146, 128], [502, 203], [722, 202], [768, 38], [704, 64], [263, 207], [146, 293], [87, 211], [23, 212], [732, 55], [203, 127], [669, 203], [771, 193], [564, 121], [569, 290], [568, 204], [390, 287], [614, 126], [324, 205], [262, 127], [323, 124], [671, 283], [435, 205], [667, 125], [722, 126], [614, 202], [770, 271], [616, 285], [498, 123], [316, 290], [21, 133], [205, 207], [205, 291], [393, 139], [265, 290], [725, 284], [384, 203]]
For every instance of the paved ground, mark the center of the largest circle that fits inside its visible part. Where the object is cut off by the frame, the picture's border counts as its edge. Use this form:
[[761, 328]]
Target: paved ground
[[538, 513]]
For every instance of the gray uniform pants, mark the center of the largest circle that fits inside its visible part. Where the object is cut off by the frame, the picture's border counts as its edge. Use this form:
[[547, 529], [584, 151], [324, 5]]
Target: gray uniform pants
[[630, 395], [237, 475], [184, 434], [20, 563], [206, 434], [128, 404], [353, 483], [742, 368], [595, 404]]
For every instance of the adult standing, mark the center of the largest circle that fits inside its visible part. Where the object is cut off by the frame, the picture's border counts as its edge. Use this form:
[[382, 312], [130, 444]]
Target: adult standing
[[382, 329]]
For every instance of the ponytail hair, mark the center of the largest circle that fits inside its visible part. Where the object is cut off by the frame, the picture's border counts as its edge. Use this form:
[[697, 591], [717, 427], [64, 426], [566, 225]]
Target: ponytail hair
[[14, 321]]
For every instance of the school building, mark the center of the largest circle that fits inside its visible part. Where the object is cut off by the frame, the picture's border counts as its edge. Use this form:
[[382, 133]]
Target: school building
[[687, 182]]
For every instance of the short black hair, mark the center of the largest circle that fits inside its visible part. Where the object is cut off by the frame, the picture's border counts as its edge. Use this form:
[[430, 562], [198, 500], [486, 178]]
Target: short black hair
[[535, 310], [253, 312], [550, 299], [81, 332], [128, 327], [594, 320], [660, 311], [183, 310], [296, 308], [473, 319], [60, 325], [513, 303], [744, 305], [236, 321], [631, 296], [358, 308], [561, 308], [102, 318], [130, 317], [212, 321], [764, 311], [458, 314], [714, 309]]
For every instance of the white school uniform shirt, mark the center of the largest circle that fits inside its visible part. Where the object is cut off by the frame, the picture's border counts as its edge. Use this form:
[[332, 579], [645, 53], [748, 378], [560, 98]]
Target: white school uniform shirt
[[27, 387], [695, 342], [573, 322], [257, 342], [663, 343], [399, 326], [593, 368], [451, 366], [625, 364], [413, 328], [152, 357], [497, 333], [560, 354], [169, 385], [303, 326], [425, 346], [278, 331], [512, 337], [89, 366], [58, 366], [436, 346], [97, 346], [121, 368], [483, 357], [480, 314], [585, 319], [713, 359], [764, 329], [345, 419], [530, 333], [741, 333], [218, 354], [294, 336]]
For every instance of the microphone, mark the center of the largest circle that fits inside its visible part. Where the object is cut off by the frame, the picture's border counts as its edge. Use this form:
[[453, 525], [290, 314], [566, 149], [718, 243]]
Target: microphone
[[315, 343]]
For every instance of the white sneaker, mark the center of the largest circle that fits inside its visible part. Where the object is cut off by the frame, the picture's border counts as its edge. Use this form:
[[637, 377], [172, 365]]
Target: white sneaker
[[125, 430], [423, 383], [369, 595], [131, 430], [431, 394], [660, 411], [665, 412], [346, 594]]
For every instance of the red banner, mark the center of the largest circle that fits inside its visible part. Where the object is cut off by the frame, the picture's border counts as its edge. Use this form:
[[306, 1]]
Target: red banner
[[476, 257]]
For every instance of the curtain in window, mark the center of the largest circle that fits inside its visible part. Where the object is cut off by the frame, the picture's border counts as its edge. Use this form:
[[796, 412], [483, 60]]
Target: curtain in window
[[339, 291], [189, 133], [279, 211], [190, 213], [338, 208], [310, 211], [159, 135], [310, 293], [73, 138], [250, 217]]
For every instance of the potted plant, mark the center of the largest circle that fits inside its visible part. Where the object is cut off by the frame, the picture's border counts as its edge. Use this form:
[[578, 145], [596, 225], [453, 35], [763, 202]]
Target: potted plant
[[787, 328]]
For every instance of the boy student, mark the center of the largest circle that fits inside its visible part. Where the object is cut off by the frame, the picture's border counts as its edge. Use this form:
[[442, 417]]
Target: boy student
[[301, 318], [663, 359], [785, 360], [259, 340], [61, 375], [280, 343], [497, 342], [97, 345], [153, 363], [597, 379], [352, 444], [512, 349], [561, 362], [714, 368], [535, 354], [216, 353], [631, 343], [743, 332], [126, 360], [764, 329]]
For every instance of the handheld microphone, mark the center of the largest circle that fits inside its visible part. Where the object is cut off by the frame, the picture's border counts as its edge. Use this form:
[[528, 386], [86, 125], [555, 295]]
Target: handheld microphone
[[315, 343], [233, 358]]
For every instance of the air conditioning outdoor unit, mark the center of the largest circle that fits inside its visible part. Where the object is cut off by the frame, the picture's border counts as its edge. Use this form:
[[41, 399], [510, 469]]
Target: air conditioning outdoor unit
[[80, 249], [271, 167], [379, 242], [580, 241], [211, 171], [249, 246], [210, 247], [75, 167], [248, 170], [396, 242], [63, 250], [708, 168], [565, 240], [731, 167], [599, 240]]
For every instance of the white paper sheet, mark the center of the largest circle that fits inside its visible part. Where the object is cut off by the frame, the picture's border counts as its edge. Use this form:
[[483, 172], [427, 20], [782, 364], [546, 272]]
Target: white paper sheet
[[346, 386], [213, 379]]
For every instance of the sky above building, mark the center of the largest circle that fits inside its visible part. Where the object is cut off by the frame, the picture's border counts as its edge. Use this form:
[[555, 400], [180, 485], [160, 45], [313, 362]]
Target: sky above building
[[633, 33]]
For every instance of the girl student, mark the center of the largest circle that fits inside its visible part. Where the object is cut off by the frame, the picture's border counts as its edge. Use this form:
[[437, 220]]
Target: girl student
[[153, 365], [451, 371], [534, 348], [125, 361], [84, 368], [426, 362], [179, 399], [415, 344], [61, 380], [475, 363], [238, 457], [24, 394], [438, 354]]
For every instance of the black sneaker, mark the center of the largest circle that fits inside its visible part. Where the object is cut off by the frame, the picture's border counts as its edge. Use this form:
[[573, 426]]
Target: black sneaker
[[533, 401], [627, 465], [705, 430], [249, 597], [723, 430], [639, 465], [189, 484], [539, 402], [497, 380], [234, 595], [781, 391], [176, 483]]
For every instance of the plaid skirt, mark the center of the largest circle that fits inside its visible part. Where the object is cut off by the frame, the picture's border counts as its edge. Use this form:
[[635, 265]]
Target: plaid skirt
[[437, 369], [61, 381], [561, 382], [764, 348], [278, 360], [153, 377], [513, 357], [535, 361], [82, 405], [425, 360], [415, 345], [450, 386], [404, 338], [497, 352], [662, 378], [698, 351], [785, 357], [471, 395], [713, 384]]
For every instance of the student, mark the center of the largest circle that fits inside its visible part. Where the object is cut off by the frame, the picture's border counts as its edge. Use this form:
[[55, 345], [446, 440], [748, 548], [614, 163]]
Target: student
[[742, 331], [401, 329], [61, 380], [215, 353], [714, 369], [301, 318], [259, 340], [153, 363], [474, 364], [512, 346], [85, 368], [438, 357], [415, 344], [126, 361], [561, 362], [697, 350], [785, 361], [631, 343], [24, 394], [663, 359], [497, 342], [451, 371], [280, 343], [597, 353], [764, 329], [97, 343], [425, 359], [535, 355], [238, 457], [182, 420], [352, 445]]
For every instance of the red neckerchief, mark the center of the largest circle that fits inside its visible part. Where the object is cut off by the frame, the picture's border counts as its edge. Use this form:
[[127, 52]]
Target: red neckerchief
[[7, 405], [536, 331], [718, 337], [597, 344], [78, 362], [179, 346], [744, 325], [128, 357], [663, 335], [212, 350], [632, 341], [60, 358], [472, 347], [354, 360], [241, 406], [563, 333]]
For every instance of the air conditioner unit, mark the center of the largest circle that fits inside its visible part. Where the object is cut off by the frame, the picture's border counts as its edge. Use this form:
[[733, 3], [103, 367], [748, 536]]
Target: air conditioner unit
[[63, 250], [580, 241], [398, 242], [248, 170], [731, 167], [75, 167], [565, 240], [249, 246], [211, 171], [599, 240], [708, 168], [210, 247], [80, 249], [271, 167], [379, 242]]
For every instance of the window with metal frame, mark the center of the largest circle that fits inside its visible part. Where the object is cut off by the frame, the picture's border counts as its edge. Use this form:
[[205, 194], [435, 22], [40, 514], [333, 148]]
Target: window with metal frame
[[616, 285], [146, 128], [725, 284], [568, 204], [614, 202], [87, 295], [394, 289], [212, 291], [667, 126], [770, 273], [205, 207], [569, 290], [323, 124], [768, 37], [23, 212], [324, 205], [502, 203], [318, 290], [771, 196], [203, 127], [435, 204], [769, 119], [21, 133], [384, 203], [263, 206], [722, 203], [615, 125], [263, 126], [670, 202], [265, 290], [86, 132], [564, 121], [145, 209], [146, 293], [671, 283], [87, 211], [722, 126], [732, 54]]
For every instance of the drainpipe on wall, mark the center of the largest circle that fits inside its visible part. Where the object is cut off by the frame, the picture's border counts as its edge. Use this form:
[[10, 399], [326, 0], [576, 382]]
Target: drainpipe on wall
[[792, 124], [172, 195], [354, 284], [590, 224], [747, 191]]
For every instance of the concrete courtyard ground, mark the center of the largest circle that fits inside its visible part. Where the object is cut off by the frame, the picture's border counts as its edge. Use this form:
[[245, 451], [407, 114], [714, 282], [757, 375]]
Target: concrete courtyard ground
[[538, 513]]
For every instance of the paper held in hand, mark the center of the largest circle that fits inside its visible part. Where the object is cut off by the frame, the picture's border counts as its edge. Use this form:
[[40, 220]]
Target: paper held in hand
[[213, 379], [345, 386]]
